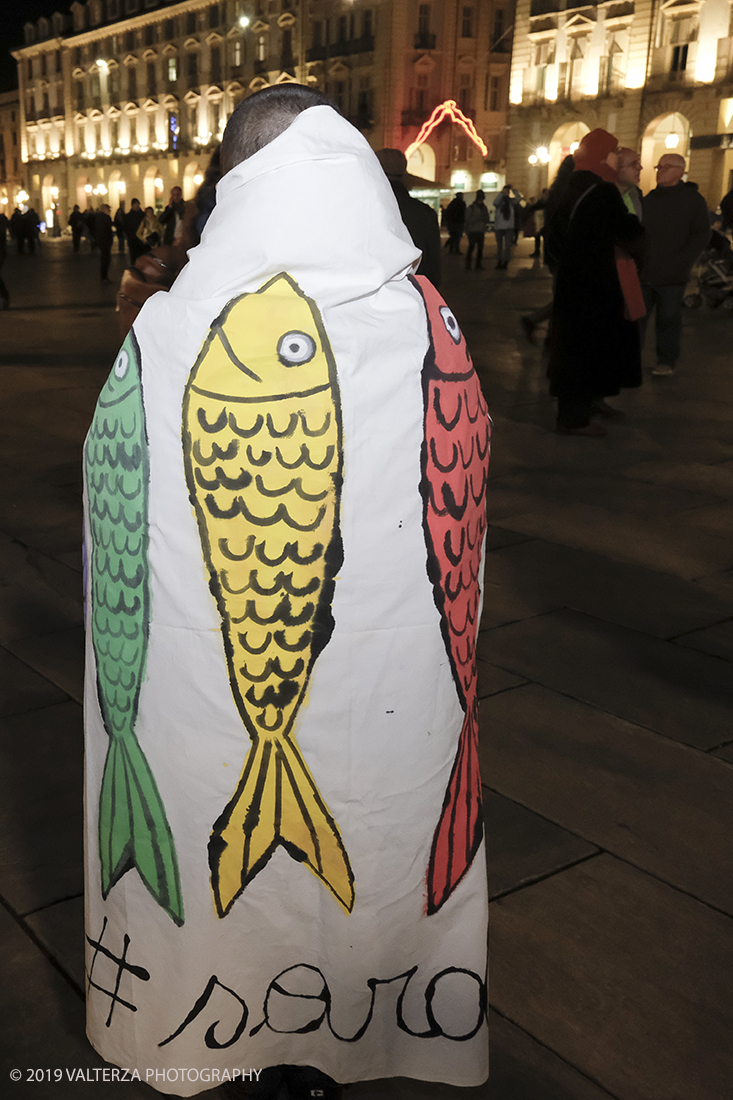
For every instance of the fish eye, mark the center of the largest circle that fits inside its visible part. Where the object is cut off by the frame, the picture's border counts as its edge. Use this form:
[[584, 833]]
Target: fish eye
[[451, 324], [296, 348], [122, 363]]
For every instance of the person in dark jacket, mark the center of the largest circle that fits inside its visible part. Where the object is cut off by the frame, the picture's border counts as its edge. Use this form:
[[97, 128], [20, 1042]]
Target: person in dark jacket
[[119, 224], [677, 226], [104, 235], [420, 220], [476, 224], [77, 223], [172, 217], [594, 350], [726, 209], [4, 296], [455, 218], [132, 223]]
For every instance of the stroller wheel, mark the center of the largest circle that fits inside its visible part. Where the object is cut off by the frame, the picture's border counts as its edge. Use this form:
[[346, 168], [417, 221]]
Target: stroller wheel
[[728, 304], [692, 301]]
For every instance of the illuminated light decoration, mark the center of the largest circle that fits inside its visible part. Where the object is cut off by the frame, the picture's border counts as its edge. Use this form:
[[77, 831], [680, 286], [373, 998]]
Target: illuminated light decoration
[[533, 158], [198, 179], [88, 188], [459, 180], [244, 21], [574, 146], [450, 109], [672, 141]]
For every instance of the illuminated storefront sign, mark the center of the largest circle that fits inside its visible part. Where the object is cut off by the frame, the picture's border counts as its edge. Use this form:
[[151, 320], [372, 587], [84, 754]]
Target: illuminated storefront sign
[[450, 109]]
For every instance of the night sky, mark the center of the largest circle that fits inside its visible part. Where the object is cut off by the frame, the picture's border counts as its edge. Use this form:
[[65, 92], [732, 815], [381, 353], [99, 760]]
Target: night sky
[[15, 13]]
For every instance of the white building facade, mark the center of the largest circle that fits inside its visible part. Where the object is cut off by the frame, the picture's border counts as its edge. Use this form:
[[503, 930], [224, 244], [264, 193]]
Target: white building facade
[[127, 98], [656, 73]]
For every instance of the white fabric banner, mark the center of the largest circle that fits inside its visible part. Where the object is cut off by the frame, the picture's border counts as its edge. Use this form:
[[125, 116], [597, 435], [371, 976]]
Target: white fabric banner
[[285, 510]]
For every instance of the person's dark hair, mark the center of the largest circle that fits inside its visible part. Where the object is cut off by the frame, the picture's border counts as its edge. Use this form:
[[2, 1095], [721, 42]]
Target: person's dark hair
[[262, 117]]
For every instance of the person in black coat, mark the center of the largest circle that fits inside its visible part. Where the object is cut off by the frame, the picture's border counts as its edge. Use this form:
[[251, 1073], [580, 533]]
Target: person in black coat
[[132, 223], [77, 223], [594, 350], [420, 220], [104, 235], [4, 296], [455, 218]]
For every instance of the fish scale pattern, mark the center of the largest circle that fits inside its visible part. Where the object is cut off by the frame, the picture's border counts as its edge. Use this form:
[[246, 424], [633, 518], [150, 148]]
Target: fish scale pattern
[[262, 449], [455, 458], [133, 827]]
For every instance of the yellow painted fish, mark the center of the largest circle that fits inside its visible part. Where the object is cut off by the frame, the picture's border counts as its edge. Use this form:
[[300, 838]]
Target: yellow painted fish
[[263, 456]]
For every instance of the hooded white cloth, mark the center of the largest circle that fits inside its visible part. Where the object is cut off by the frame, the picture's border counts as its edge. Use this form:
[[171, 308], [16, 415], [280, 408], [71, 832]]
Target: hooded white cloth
[[277, 678]]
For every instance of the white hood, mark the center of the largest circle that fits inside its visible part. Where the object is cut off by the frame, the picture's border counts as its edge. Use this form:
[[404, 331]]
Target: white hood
[[330, 196]]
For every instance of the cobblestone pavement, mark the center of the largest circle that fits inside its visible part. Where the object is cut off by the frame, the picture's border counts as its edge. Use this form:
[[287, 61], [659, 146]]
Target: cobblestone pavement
[[605, 661]]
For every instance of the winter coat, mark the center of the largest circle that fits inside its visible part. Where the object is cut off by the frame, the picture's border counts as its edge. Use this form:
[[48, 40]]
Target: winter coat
[[506, 211], [594, 350], [455, 212], [422, 225], [477, 218], [677, 227], [169, 218], [103, 230]]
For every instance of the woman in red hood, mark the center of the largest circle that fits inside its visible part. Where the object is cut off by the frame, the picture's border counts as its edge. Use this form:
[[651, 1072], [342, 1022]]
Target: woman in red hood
[[594, 347]]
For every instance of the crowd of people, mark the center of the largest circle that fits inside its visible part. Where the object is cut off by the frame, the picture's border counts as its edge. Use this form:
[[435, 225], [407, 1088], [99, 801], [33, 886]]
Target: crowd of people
[[617, 258]]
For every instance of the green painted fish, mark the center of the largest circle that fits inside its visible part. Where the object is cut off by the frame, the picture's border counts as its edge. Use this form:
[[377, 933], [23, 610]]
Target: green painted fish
[[133, 826]]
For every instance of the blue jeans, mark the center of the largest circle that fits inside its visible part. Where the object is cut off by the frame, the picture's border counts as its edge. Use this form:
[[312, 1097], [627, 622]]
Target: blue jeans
[[667, 300]]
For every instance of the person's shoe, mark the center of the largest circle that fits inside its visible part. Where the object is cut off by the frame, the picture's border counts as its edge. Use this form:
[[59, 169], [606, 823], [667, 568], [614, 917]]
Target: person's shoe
[[602, 408], [593, 431], [527, 329], [662, 370]]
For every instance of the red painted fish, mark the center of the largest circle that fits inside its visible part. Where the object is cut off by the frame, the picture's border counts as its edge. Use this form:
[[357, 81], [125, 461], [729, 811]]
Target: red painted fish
[[455, 461]]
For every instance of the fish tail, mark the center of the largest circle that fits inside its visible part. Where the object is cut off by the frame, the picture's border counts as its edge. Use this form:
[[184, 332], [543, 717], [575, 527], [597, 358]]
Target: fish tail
[[459, 831], [276, 802], [134, 829]]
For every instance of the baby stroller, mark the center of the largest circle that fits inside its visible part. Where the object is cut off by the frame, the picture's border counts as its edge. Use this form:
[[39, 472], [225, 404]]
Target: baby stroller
[[714, 274]]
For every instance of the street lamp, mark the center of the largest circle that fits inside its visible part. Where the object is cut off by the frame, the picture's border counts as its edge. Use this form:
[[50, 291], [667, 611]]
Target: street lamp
[[244, 21], [88, 188], [198, 179], [541, 155]]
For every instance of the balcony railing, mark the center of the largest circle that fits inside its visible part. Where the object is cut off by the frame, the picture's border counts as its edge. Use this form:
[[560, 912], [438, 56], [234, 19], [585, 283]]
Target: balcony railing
[[342, 48]]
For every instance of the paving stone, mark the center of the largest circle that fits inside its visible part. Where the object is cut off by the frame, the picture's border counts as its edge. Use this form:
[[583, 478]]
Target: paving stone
[[725, 752], [496, 537], [654, 802], [37, 594], [542, 576], [717, 640], [522, 1069], [513, 494], [664, 544], [507, 603], [492, 679], [41, 766], [22, 689], [45, 517], [682, 694], [59, 657], [695, 476], [623, 977], [43, 1026], [60, 928], [403, 1088], [522, 846]]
